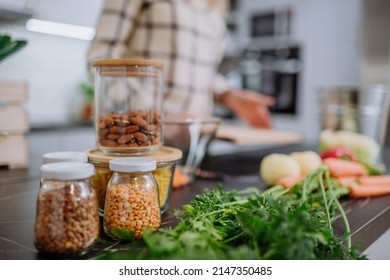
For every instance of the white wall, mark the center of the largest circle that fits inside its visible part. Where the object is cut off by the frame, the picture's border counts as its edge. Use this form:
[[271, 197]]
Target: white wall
[[375, 68], [328, 32], [54, 66]]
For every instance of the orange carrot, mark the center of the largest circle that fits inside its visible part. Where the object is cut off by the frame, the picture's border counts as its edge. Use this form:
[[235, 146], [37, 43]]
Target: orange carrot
[[369, 180], [179, 179], [290, 181], [340, 167], [375, 180], [360, 191], [347, 180]]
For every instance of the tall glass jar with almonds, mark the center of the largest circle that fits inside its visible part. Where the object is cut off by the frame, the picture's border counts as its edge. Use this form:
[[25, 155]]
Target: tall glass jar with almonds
[[128, 106]]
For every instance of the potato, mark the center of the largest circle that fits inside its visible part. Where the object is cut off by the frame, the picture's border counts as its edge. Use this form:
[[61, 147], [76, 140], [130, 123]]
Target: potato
[[276, 166], [307, 160]]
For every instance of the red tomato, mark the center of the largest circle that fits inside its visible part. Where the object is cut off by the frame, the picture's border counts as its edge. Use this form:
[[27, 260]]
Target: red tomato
[[339, 152]]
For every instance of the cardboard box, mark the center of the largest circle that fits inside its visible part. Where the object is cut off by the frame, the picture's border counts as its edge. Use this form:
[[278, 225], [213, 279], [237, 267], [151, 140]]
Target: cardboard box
[[13, 92], [14, 122], [14, 119], [13, 151]]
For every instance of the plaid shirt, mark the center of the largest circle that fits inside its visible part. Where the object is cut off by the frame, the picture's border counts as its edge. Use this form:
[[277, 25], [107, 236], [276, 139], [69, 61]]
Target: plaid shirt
[[187, 36]]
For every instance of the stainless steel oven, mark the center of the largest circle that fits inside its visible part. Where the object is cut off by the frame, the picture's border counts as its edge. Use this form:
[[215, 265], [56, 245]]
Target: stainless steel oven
[[271, 23], [274, 72]]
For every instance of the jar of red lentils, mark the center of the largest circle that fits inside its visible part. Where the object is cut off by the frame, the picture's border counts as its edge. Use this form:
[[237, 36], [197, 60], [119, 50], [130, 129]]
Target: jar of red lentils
[[132, 201]]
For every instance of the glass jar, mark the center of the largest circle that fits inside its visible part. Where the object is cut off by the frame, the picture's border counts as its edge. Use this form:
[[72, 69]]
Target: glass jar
[[67, 220], [166, 157], [64, 156], [132, 202], [128, 106]]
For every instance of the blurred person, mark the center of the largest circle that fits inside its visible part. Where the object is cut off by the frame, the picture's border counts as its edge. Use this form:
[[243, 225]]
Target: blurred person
[[189, 37]]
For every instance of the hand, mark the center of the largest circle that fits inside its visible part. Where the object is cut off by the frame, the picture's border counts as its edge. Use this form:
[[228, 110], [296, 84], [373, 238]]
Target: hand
[[249, 106]]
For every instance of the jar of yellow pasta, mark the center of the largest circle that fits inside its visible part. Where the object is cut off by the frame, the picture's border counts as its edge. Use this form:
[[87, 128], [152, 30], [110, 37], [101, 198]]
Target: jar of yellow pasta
[[166, 158]]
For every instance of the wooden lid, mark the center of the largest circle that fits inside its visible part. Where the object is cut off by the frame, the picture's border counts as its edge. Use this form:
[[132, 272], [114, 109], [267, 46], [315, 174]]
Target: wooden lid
[[127, 62], [162, 155]]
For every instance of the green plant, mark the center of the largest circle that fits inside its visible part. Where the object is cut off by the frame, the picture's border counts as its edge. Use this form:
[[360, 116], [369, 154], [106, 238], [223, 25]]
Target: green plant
[[277, 223], [88, 91], [8, 46]]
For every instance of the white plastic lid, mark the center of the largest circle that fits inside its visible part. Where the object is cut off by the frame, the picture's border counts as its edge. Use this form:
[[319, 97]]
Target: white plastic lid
[[64, 156], [67, 170], [132, 164]]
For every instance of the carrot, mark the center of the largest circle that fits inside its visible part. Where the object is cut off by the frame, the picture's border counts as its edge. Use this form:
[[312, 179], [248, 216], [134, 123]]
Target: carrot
[[290, 181], [341, 168], [360, 191], [375, 180], [179, 179], [347, 180], [368, 180]]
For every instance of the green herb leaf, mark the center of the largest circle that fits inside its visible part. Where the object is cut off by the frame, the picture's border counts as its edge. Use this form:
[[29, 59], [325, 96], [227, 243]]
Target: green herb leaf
[[123, 234], [249, 224], [9, 46]]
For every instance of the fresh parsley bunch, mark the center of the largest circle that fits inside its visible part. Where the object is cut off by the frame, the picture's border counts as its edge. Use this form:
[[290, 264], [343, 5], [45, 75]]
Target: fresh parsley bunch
[[277, 223]]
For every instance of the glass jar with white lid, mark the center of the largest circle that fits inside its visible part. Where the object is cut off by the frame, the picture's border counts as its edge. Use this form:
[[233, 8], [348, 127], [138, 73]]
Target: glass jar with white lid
[[132, 201], [67, 219], [64, 156]]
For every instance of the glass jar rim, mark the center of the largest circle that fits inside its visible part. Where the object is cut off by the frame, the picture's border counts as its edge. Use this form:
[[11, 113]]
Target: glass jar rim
[[164, 154], [64, 156], [132, 164], [67, 170]]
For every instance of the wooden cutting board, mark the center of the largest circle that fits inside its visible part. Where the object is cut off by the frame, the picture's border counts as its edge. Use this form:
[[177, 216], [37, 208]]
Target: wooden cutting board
[[249, 136]]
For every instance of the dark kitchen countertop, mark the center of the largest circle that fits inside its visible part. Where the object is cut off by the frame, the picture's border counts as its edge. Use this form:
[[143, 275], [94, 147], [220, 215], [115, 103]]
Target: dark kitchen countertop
[[369, 218]]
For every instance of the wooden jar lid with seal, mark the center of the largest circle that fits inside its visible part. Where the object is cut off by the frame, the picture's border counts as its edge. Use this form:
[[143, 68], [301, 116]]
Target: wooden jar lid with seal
[[128, 67], [127, 62], [163, 155]]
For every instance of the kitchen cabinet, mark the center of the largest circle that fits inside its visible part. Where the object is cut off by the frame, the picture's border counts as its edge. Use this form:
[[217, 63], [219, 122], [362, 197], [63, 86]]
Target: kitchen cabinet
[[71, 11], [19, 5]]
